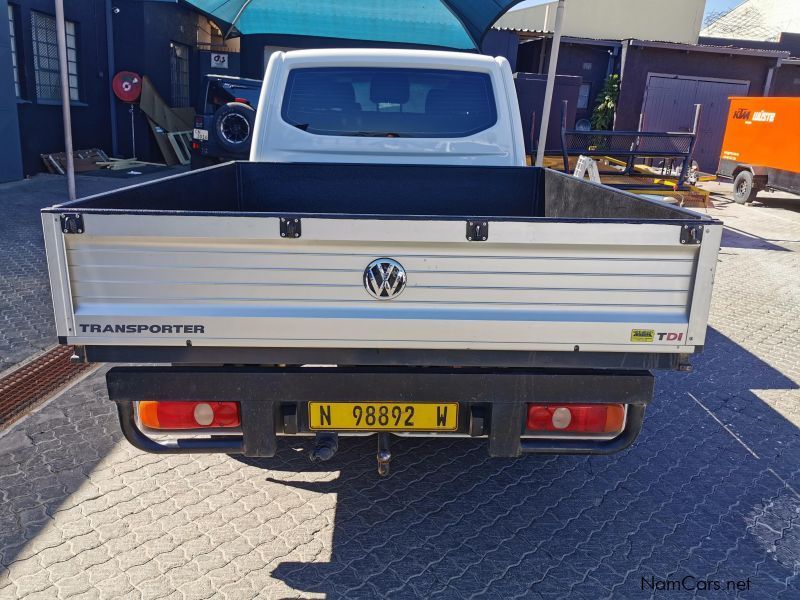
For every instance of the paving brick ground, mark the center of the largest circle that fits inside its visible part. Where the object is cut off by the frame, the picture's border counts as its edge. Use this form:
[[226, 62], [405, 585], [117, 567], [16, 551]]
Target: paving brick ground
[[26, 313], [710, 490]]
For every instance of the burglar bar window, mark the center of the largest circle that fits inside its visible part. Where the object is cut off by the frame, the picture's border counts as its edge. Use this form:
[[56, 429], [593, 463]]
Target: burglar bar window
[[179, 74], [12, 30], [45, 58]]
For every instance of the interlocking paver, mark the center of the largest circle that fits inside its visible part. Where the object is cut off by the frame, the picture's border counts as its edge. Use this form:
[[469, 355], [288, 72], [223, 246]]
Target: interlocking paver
[[85, 515]]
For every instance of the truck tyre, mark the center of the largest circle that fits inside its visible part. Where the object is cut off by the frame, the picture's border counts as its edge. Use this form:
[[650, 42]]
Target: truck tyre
[[744, 187], [233, 126]]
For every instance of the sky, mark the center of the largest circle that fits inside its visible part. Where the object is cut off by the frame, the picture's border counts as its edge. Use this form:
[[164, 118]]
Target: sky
[[711, 5]]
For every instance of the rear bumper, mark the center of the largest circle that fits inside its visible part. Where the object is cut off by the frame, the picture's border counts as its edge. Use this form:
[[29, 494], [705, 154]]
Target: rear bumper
[[273, 401]]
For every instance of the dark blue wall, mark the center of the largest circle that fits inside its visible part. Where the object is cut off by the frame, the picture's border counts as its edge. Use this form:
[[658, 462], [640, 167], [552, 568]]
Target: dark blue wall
[[142, 35], [530, 94], [786, 81], [643, 60], [786, 78], [10, 157], [590, 60], [501, 43], [40, 122], [142, 32]]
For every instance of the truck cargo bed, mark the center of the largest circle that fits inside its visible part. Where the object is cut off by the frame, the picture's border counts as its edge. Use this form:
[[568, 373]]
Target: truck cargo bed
[[199, 261]]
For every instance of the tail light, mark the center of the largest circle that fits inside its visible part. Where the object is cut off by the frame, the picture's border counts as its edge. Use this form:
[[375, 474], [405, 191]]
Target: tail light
[[188, 415], [576, 418]]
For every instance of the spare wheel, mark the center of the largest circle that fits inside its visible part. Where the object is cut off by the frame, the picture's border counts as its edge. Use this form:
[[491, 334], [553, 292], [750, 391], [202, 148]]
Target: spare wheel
[[233, 124]]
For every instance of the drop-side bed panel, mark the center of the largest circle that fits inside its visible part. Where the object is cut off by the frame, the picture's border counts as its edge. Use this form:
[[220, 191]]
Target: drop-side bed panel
[[212, 280]]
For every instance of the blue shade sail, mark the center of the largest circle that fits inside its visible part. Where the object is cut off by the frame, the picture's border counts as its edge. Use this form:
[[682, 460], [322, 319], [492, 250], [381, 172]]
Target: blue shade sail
[[457, 24]]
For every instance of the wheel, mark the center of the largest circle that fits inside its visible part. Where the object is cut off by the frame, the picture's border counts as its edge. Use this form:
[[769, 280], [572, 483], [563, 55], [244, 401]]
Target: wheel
[[744, 188], [233, 126]]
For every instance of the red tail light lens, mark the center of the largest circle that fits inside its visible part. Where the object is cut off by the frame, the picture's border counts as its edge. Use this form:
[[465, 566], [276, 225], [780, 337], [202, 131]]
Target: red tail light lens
[[188, 415], [576, 418]]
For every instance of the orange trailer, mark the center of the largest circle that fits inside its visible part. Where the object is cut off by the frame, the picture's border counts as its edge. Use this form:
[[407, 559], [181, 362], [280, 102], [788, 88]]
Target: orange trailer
[[761, 148]]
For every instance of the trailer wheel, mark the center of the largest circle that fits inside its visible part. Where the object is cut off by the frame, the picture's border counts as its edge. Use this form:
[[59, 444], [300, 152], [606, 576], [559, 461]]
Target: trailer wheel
[[233, 124], [744, 187]]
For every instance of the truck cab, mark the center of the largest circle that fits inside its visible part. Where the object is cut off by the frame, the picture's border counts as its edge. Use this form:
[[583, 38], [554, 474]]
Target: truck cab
[[388, 106]]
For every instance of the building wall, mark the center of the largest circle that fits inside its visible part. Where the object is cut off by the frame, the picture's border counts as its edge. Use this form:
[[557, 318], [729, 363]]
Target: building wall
[[40, 122], [786, 81], [10, 157], [589, 60], [501, 43], [160, 24], [592, 63], [673, 21], [640, 61]]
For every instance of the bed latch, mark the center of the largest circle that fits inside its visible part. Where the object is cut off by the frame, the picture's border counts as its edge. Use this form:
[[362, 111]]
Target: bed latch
[[477, 231], [72, 223], [692, 234], [290, 227]]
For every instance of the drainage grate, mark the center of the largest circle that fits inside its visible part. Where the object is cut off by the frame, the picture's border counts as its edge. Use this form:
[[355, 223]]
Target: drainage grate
[[23, 389]]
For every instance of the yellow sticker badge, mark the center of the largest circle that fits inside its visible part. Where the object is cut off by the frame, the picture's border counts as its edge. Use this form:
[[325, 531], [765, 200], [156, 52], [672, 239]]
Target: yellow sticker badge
[[642, 335]]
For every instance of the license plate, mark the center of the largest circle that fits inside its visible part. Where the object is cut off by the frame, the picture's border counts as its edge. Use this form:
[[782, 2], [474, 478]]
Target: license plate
[[383, 416], [200, 134]]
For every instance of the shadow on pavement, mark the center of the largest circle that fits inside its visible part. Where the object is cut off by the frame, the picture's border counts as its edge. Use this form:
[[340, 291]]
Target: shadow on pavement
[[735, 238], [688, 498], [772, 202]]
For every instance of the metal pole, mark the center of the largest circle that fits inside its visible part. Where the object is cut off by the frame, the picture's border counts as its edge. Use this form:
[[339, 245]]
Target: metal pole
[[112, 105], [551, 80], [61, 38], [133, 133]]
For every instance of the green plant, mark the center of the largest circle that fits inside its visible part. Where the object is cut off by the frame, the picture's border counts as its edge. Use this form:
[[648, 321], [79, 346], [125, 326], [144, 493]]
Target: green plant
[[603, 113]]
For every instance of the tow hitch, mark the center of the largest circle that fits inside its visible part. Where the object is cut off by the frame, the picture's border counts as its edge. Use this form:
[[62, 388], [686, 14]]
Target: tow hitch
[[325, 446], [384, 454]]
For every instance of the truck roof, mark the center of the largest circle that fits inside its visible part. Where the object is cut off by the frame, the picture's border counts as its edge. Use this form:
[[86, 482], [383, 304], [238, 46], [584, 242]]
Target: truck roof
[[435, 59]]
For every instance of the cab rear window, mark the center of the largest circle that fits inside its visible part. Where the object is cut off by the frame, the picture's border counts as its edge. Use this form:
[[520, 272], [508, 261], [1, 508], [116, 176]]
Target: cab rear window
[[386, 102]]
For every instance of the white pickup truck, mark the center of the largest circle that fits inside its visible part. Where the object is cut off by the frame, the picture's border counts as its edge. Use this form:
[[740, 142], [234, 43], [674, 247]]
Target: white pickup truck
[[384, 264]]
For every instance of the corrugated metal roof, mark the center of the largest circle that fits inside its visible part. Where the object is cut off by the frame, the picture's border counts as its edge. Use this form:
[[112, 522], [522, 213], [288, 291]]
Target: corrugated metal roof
[[711, 49], [760, 52], [520, 30]]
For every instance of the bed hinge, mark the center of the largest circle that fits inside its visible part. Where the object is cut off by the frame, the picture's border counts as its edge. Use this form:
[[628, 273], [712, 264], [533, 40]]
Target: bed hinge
[[477, 231], [692, 234], [290, 227], [72, 223]]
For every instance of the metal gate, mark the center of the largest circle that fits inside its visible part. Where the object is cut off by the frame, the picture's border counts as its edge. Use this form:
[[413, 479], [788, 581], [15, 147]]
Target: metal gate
[[669, 106]]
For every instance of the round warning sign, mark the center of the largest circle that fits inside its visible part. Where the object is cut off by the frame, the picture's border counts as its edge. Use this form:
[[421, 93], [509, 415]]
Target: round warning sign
[[127, 86]]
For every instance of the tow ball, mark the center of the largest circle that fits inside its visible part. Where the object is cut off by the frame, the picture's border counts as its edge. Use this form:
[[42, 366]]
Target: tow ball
[[325, 446], [384, 454]]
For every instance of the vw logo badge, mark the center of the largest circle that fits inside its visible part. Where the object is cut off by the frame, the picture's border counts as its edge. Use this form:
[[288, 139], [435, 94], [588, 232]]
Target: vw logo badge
[[384, 278]]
